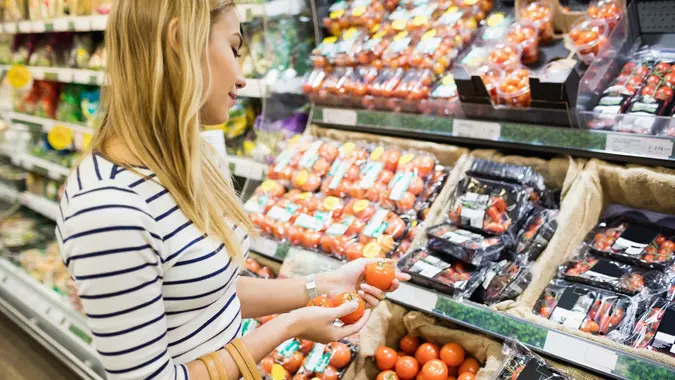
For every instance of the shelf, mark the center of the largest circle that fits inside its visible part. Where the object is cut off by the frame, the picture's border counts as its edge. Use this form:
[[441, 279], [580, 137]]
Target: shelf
[[63, 75], [270, 248], [46, 124], [62, 24], [48, 317], [45, 207], [41, 166], [570, 348], [580, 142], [275, 8], [8, 194], [247, 168]]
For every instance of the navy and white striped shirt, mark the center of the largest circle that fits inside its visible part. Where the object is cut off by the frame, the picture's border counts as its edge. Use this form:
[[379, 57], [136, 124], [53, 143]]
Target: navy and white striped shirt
[[156, 292]]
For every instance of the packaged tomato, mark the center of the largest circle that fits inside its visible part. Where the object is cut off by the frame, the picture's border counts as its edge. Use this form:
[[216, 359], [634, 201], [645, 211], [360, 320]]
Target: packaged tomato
[[523, 175], [333, 90], [433, 52], [491, 75], [588, 38], [366, 13], [607, 274], [255, 269], [504, 55], [421, 16], [441, 273], [385, 222], [443, 99], [539, 228], [397, 53], [328, 361], [356, 84], [514, 89], [323, 55], [415, 86], [539, 13], [586, 308], [288, 159], [504, 281], [270, 188], [522, 364], [382, 88], [655, 329], [459, 24], [337, 20], [314, 82], [431, 191], [372, 49], [524, 35], [412, 171], [350, 43], [489, 206], [467, 246], [609, 11], [635, 242]]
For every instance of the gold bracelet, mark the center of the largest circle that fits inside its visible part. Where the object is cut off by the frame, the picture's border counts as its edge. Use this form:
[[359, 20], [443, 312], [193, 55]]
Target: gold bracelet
[[220, 366], [210, 367], [241, 364], [243, 351]]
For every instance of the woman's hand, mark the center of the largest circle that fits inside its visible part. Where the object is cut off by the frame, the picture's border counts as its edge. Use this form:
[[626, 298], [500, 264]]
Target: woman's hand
[[317, 323], [351, 277]]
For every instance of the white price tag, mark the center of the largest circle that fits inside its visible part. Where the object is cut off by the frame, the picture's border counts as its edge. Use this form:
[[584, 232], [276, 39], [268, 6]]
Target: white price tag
[[38, 73], [578, 351], [639, 146], [249, 169], [38, 27], [60, 24], [9, 27], [265, 246], [411, 295], [339, 116], [476, 129], [24, 26], [98, 22], [81, 76], [56, 316], [82, 24]]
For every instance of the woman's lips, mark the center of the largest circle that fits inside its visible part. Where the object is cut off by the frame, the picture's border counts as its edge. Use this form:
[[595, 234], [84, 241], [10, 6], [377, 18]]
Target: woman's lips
[[233, 96]]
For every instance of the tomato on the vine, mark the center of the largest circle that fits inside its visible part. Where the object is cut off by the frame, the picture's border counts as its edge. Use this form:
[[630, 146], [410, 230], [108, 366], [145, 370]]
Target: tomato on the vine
[[354, 316], [387, 375], [322, 301], [380, 274]]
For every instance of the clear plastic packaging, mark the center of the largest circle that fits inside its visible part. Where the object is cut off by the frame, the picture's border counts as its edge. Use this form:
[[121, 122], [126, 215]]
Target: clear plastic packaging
[[514, 89], [350, 43], [525, 35], [443, 99], [589, 309], [609, 11], [255, 269], [372, 49], [655, 329], [539, 13], [323, 55], [460, 24], [504, 281], [490, 206], [504, 55], [524, 175], [399, 50], [612, 275], [522, 364], [337, 20], [382, 88], [443, 274], [491, 76], [588, 38], [639, 243], [467, 246], [539, 229], [433, 52], [298, 358]]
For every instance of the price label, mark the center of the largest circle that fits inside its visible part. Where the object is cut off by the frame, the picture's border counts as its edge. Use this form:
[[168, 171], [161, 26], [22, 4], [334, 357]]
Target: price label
[[24, 26], [416, 297], [81, 76], [476, 129], [56, 316], [81, 24], [9, 27], [579, 351], [639, 146], [99, 22], [339, 117], [19, 76], [265, 246], [249, 169], [60, 24], [39, 27]]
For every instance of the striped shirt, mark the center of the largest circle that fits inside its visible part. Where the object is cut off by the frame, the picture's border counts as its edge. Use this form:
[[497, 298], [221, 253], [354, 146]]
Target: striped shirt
[[157, 293]]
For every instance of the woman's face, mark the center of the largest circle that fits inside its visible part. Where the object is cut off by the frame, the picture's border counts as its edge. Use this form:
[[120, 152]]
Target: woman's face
[[226, 77]]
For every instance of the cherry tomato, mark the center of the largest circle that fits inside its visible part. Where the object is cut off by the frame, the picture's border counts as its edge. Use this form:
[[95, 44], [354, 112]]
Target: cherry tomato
[[654, 80], [426, 352], [648, 90], [380, 274], [435, 370], [469, 365], [407, 367], [387, 375], [663, 67], [409, 344], [385, 358], [354, 316], [664, 93], [340, 355], [452, 354]]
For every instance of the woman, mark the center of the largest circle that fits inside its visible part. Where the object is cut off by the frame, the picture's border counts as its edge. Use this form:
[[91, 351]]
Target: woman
[[151, 231]]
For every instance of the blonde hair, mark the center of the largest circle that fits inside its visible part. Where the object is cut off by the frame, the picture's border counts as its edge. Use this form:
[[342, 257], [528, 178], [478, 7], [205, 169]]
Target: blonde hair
[[152, 104]]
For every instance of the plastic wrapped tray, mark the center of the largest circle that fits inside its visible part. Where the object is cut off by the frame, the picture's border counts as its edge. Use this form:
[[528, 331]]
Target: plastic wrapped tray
[[655, 330], [470, 247], [539, 229], [522, 364], [505, 281]]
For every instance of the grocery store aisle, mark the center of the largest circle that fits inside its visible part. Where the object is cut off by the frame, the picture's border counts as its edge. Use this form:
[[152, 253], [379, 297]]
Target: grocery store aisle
[[22, 358]]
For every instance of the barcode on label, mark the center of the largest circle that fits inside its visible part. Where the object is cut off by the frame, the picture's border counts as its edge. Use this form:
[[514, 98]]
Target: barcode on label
[[476, 129], [639, 146], [339, 117]]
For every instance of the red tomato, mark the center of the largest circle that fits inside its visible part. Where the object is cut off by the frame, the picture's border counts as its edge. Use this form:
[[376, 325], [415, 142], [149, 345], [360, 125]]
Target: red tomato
[[670, 78], [452, 354], [390, 158], [306, 346], [409, 344], [648, 91], [424, 165], [321, 301], [387, 375], [664, 93], [385, 358], [354, 251], [467, 376], [329, 373], [426, 352], [653, 80], [385, 176], [293, 363], [252, 265], [407, 367], [340, 355], [435, 370], [469, 365], [663, 67], [380, 274], [406, 202], [354, 316], [266, 364]]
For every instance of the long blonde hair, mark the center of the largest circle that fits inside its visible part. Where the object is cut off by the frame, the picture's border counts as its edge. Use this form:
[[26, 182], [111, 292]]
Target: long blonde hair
[[152, 105]]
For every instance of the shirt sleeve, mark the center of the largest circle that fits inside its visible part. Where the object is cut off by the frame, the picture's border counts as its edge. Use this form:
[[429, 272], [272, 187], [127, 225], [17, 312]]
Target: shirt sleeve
[[109, 243]]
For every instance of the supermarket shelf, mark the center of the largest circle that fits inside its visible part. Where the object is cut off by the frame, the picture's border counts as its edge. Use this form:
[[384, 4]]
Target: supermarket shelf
[[270, 248], [46, 124], [49, 319], [40, 166], [570, 348], [91, 77], [63, 24], [45, 207], [580, 142], [247, 168], [274, 8], [8, 194]]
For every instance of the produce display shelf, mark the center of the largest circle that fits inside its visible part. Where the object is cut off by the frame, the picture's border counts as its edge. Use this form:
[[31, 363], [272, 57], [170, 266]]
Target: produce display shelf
[[584, 353], [45, 207], [40, 166], [46, 124], [270, 249], [64, 75], [47, 317], [528, 137], [275, 8], [247, 168], [62, 24]]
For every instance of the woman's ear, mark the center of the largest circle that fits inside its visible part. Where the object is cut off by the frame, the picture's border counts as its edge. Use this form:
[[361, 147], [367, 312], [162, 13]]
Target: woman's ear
[[174, 40]]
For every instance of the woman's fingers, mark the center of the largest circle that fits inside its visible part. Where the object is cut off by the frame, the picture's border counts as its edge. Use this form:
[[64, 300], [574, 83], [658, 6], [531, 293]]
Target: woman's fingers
[[370, 300], [403, 277], [348, 330]]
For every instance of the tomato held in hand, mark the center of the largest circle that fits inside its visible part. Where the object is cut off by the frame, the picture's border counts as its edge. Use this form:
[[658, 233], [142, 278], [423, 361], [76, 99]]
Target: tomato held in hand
[[385, 357], [435, 370], [407, 367], [380, 274], [340, 355], [409, 344], [354, 316], [452, 354], [426, 352], [387, 375], [322, 301]]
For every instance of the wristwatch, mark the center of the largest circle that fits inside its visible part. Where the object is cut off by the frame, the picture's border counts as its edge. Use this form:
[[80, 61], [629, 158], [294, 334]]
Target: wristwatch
[[310, 285]]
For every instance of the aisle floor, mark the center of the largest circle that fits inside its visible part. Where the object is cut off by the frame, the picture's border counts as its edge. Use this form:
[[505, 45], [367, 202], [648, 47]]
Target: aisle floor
[[22, 358]]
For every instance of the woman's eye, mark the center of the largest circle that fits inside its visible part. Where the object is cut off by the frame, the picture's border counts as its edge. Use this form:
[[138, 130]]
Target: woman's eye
[[236, 53]]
